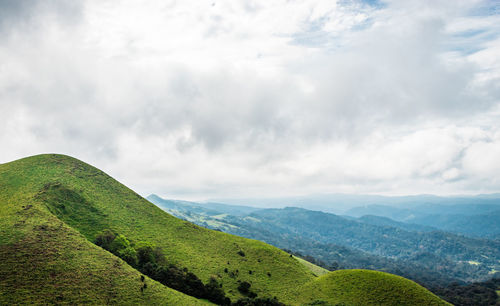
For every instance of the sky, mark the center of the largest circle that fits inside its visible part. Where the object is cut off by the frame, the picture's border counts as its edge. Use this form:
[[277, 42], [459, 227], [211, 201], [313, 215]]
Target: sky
[[211, 99]]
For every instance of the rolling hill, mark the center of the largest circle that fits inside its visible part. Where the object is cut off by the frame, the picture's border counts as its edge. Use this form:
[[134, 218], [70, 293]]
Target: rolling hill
[[52, 208], [364, 287]]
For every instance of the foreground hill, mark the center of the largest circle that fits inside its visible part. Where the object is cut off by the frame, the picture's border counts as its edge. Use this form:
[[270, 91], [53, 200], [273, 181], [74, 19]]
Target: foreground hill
[[45, 261], [364, 287], [52, 207]]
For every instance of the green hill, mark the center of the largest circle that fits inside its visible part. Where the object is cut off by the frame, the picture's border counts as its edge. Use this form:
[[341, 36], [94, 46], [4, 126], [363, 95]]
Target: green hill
[[365, 287], [45, 261], [52, 207]]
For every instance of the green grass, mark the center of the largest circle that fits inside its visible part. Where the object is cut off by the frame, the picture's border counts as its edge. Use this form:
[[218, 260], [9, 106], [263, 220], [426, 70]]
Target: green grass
[[316, 270], [53, 205], [44, 261], [365, 287]]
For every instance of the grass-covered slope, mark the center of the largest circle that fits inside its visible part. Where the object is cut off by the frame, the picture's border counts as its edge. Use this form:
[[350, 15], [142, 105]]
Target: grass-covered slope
[[88, 201], [44, 261], [365, 287], [52, 206]]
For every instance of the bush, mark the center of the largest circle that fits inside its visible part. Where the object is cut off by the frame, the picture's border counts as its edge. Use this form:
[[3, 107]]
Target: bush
[[244, 287], [104, 239], [145, 254], [129, 255], [215, 294], [118, 244]]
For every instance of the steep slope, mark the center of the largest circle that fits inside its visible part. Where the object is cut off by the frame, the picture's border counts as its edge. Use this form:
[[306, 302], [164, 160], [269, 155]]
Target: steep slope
[[365, 287], [89, 201], [44, 261]]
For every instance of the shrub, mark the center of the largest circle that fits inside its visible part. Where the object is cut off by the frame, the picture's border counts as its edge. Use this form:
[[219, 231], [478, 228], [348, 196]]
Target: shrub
[[129, 255], [145, 254], [118, 244], [244, 287], [215, 294], [104, 239]]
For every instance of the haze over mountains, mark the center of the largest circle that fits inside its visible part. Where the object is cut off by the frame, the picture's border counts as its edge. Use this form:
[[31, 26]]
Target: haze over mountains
[[470, 215], [342, 203], [421, 252]]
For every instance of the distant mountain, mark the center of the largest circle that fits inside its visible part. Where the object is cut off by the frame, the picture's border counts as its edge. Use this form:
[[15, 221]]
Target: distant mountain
[[476, 220], [382, 240], [415, 251], [208, 208], [484, 225], [384, 221], [341, 203]]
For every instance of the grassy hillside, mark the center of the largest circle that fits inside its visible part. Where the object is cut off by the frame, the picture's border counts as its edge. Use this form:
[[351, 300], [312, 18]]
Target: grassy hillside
[[52, 206], [365, 287], [89, 201], [317, 270], [44, 261]]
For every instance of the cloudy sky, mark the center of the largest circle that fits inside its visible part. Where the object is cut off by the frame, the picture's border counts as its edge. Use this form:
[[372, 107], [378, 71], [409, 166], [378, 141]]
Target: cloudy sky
[[203, 99]]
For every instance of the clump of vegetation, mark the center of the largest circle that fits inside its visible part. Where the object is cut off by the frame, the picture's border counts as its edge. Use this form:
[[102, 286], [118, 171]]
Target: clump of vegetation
[[244, 287]]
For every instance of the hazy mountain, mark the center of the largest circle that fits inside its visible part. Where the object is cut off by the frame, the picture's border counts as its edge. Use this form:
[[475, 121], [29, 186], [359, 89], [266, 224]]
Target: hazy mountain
[[344, 203], [415, 251], [208, 208], [476, 220], [384, 221]]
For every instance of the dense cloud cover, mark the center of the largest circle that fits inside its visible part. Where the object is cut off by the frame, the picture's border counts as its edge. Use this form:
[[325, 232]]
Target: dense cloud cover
[[199, 99]]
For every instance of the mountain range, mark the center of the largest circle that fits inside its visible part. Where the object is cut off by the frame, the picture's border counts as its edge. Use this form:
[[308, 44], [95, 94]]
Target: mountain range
[[425, 254]]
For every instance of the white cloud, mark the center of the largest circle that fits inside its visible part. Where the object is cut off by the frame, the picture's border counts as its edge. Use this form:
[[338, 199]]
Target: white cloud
[[229, 98]]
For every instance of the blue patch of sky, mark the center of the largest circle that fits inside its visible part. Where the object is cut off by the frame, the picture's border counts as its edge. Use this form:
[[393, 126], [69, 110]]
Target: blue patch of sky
[[470, 41], [473, 40], [465, 49], [375, 4], [314, 36], [486, 8]]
